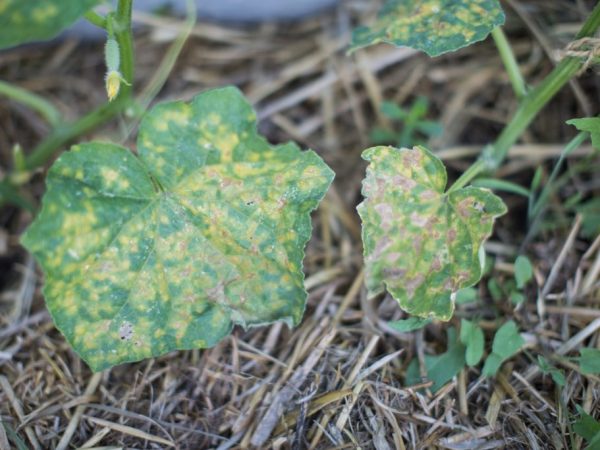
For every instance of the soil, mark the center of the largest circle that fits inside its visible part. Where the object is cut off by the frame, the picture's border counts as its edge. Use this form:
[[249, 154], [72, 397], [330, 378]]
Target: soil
[[339, 379]]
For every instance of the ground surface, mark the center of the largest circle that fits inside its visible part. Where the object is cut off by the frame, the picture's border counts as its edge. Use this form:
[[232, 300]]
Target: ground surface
[[338, 380]]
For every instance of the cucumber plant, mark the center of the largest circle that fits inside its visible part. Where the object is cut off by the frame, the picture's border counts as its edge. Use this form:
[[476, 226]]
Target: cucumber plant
[[205, 225], [421, 242]]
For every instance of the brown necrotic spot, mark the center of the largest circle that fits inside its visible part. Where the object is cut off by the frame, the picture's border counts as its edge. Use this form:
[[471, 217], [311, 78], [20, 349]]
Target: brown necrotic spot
[[126, 331]]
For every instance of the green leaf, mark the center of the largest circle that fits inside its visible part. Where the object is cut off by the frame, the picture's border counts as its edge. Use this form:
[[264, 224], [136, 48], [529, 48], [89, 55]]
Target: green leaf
[[466, 295], [440, 368], [410, 324], [523, 271], [471, 335], [589, 361], [507, 342], [167, 250], [420, 243], [588, 428], [548, 369], [27, 20], [433, 26], [591, 125]]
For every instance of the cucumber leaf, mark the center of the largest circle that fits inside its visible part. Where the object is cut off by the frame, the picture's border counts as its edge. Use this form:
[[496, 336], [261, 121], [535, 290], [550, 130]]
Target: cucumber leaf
[[24, 21], [420, 243], [167, 250], [433, 26]]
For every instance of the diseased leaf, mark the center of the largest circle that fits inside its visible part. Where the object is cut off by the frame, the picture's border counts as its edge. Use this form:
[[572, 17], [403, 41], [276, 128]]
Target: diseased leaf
[[507, 342], [27, 20], [589, 361], [433, 26], [471, 335], [440, 368], [591, 125], [410, 324], [204, 229], [420, 243]]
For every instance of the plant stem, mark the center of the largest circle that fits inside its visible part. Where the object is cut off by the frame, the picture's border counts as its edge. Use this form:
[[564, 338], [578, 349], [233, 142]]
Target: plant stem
[[493, 155], [33, 101], [510, 62], [538, 98], [124, 38], [475, 169], [540, 203], [62, 134], [95, 19]]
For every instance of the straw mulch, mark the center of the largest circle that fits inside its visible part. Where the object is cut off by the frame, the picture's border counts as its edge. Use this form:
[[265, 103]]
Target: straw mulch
[[338, 380]]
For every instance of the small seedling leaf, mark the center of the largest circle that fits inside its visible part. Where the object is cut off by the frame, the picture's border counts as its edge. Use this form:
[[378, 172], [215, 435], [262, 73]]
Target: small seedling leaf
[[507, 342], [549, 369], [466, 295], [24, 21], [433, 26], [168, 250], [410, 324], [440, 368], [589, 361], [420, 243], [588, 428], [591, 125], [523, 271], [471, 335]]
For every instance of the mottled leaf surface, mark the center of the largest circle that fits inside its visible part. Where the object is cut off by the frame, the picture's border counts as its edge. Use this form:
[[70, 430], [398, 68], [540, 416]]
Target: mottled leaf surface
[[33, 20], [420, 243], [167, 250], [433, 26]]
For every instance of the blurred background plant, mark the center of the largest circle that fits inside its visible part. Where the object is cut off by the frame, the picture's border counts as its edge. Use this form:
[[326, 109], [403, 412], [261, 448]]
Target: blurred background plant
[[409, 125]]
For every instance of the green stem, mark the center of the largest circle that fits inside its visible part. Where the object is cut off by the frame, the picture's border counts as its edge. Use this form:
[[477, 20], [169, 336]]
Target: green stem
[[539, 97], [61, 135], [33, 101], [124, 38], [168, 62], [475, 169], [493, 155], [95, 19], [510, 62], [540, 203]]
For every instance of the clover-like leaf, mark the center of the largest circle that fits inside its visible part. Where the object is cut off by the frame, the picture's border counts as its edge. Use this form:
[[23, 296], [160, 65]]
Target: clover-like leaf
[[419, 242], [167, 250], [33, 20], [433, 26]]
